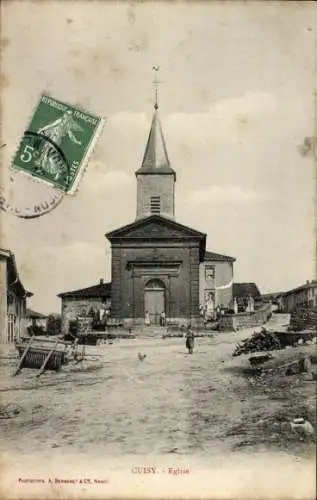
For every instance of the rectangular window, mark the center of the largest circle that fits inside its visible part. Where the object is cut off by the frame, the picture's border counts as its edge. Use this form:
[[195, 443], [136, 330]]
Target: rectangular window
[[210, 273], [155, 204]]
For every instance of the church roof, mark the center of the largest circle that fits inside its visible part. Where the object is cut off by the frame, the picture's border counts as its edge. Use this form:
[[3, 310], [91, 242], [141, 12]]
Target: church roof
[[155, 159], [156, 222], [102, 290], [212, 256]]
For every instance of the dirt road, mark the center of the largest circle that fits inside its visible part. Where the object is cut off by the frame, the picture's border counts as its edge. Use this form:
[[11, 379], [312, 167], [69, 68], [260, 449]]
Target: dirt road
[[174, 406]]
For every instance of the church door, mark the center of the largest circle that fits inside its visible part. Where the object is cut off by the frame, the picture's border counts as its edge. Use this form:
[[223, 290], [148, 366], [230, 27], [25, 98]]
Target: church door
[[154, 300]]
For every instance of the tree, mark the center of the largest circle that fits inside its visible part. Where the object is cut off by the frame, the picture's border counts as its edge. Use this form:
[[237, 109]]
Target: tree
[[54, 324]]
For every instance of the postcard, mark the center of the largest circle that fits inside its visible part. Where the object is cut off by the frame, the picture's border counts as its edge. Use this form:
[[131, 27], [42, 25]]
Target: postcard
[[158, 267]]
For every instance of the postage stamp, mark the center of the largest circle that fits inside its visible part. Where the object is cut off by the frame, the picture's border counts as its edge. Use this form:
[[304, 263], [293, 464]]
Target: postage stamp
[[57, 143]]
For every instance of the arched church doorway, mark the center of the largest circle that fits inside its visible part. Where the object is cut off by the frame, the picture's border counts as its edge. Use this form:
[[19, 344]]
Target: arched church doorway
[[154, 300]]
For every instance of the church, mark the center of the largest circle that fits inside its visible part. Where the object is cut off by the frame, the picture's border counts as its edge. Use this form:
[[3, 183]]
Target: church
[[157, 264]]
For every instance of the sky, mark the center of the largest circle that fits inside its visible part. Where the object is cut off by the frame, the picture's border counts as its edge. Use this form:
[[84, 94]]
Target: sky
[[236, 101]]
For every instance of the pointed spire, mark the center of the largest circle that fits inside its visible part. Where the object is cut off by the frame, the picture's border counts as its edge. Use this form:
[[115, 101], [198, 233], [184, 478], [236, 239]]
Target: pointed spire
[[155, 159], [155, 156]]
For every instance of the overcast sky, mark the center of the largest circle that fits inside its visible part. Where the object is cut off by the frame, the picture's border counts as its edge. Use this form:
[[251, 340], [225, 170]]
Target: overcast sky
[[236, 101]]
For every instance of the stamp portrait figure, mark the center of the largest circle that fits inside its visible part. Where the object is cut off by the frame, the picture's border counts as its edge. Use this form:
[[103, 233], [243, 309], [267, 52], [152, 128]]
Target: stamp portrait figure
[[63, 127]]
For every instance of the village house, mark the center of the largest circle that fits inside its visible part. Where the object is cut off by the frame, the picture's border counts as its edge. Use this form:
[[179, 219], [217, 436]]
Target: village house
[[35, 321], [158, 265], [301, 296], [242, 292], [78, 303], [13, 299], [215, 283]]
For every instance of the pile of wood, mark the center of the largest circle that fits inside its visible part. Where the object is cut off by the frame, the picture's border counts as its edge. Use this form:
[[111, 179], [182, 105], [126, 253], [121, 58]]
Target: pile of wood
[[303, 318], [259, 341]]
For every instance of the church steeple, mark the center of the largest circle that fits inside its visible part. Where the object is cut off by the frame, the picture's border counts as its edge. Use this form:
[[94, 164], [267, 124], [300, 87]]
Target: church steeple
[[155, 159], [155, 178]]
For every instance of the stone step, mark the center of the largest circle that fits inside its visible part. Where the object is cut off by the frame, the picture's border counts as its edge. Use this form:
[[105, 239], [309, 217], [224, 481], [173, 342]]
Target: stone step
[[149, 331]]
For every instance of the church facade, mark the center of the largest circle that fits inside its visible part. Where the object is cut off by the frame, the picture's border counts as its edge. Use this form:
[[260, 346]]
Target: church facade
[[155, 269], [159, 265]]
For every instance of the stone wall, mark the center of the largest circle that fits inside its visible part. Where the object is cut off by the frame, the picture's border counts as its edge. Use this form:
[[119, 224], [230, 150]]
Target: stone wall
[[74, 307], [233, 322]]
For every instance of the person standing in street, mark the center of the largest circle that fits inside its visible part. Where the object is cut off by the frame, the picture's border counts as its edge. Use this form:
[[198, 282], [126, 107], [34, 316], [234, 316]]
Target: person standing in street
[[190, 340], [163, 318], [147, 321]]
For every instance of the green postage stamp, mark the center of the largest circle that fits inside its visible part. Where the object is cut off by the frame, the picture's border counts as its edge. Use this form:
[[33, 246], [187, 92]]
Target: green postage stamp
[[57, 143]]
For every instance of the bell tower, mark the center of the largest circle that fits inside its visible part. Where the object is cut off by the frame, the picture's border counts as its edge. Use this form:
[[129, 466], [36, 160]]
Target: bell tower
[[155, 178]]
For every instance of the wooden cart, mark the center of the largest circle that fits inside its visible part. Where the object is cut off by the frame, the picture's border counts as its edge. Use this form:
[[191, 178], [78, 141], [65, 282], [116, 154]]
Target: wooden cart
[[45, 354]]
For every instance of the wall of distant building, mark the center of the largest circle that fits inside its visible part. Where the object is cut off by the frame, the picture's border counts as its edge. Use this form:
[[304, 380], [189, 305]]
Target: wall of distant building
[[73, 307], [304, 296], [220, 284]]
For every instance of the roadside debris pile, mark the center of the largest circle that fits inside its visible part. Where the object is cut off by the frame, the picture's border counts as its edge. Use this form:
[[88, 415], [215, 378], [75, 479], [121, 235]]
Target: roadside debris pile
[[302, 365], [9, 411], [259, 359], [260, 341], [302, 426], [278, 429], [303, 318]]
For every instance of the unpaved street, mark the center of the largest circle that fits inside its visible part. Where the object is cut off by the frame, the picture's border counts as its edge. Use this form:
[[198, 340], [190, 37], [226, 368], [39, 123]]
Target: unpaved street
[[171, 405]]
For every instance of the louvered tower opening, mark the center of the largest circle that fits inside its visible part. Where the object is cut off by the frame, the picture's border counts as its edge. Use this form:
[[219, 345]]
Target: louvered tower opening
[[155, 204]]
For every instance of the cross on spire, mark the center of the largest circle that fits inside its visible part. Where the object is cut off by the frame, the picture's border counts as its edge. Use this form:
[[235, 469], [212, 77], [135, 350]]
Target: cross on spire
[[156, 83]]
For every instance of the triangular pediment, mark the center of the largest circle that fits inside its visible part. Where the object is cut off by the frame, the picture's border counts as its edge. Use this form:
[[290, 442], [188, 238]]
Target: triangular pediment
[[156, 227]]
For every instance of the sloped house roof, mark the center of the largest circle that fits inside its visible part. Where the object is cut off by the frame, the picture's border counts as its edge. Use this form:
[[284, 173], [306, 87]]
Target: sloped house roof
[[241, 290], [307, 285], [217, 257], [101, 290], [35, 315], [13, 280]]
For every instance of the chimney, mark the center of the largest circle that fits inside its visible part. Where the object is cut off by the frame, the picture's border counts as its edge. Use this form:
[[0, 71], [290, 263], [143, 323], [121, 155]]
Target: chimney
[[101, 281]]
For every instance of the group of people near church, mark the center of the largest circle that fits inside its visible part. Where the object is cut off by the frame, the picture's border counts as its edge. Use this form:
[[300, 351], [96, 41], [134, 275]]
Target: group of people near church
[[147, 319], [211, 313], [100, 316]]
